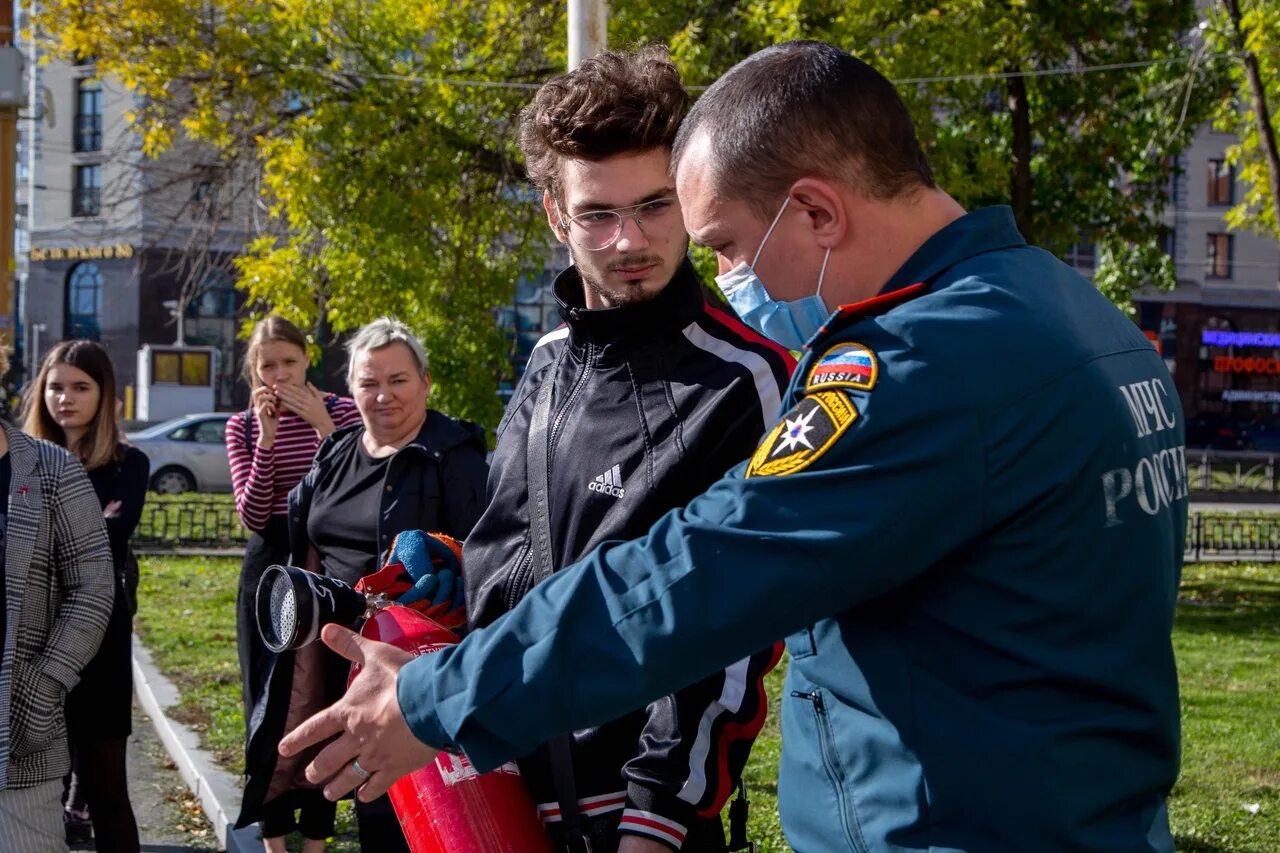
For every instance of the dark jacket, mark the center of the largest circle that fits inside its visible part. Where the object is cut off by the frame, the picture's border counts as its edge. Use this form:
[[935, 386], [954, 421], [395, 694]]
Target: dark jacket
[[652, 403], [434, 483]]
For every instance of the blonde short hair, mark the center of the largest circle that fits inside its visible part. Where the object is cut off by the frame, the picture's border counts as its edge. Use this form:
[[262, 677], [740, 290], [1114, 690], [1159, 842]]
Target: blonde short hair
[[383, 332]]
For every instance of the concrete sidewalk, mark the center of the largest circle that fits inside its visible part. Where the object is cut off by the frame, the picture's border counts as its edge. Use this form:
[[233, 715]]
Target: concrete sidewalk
[[182, 798], [169, 820]]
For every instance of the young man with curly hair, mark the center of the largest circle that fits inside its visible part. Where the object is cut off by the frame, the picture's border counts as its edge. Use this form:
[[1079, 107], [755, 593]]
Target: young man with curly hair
[[644, 397]]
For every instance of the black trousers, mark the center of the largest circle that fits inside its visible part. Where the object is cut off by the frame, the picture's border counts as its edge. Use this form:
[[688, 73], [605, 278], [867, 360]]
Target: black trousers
[[306, 811], [379, 830]]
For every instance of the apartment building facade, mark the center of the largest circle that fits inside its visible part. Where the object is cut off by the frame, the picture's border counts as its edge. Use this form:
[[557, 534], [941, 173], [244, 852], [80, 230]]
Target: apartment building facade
[[118, 245], [1219, 329]]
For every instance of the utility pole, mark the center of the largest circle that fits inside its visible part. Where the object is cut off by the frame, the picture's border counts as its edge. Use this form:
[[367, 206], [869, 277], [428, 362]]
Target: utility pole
[[11, 97], [588, 29]]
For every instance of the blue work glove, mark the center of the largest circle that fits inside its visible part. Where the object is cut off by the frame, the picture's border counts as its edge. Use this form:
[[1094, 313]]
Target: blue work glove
[[434, 567], [434, 589]]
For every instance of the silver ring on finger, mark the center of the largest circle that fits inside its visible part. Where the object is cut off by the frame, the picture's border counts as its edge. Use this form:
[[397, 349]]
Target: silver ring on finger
[[358, 770]]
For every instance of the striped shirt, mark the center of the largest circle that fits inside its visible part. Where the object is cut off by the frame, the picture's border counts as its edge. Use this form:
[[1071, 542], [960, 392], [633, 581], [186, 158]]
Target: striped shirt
[[263, 478]]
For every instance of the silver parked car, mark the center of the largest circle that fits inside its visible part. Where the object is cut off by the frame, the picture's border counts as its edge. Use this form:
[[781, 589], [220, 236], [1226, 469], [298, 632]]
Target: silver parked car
[[187, 454]]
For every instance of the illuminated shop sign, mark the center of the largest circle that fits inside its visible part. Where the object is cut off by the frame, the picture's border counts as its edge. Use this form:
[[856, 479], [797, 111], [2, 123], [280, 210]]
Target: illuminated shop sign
[[1229, 364], [83, 253], [1233, 395], [1240, 339]]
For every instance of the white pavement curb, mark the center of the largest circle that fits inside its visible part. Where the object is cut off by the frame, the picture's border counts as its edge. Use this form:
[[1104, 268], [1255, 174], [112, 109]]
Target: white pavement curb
[[215, 788]]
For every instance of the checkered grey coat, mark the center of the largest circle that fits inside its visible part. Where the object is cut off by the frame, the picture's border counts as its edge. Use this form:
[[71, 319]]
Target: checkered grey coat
[[59, 586]]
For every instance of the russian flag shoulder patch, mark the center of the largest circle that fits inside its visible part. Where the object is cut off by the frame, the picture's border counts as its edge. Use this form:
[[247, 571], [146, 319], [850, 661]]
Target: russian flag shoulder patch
[[846, 365]]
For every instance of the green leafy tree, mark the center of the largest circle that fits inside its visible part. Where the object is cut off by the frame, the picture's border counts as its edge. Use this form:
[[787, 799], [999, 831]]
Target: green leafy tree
[[1006, 104], [391, 190], [394, 185], [1249, 30]]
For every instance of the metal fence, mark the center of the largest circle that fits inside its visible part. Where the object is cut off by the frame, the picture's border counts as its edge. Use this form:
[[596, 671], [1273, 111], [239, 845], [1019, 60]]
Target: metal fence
[[190, 521], [210, 522], [1233, 536], [1232, 475]]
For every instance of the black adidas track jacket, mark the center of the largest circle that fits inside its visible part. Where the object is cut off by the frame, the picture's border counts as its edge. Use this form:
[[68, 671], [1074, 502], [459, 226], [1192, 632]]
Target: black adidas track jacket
[[652, 403]]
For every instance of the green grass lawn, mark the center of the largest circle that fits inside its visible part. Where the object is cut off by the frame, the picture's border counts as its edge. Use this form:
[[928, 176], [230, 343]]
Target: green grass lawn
[[187, 618], [1227, 639]]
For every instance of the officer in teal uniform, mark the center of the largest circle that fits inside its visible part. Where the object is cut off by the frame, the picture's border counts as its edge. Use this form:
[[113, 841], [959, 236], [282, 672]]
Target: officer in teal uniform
[[968, 523]]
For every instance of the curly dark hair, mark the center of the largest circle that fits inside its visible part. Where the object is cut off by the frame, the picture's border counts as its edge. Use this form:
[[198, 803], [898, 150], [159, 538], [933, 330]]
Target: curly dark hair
[[612, 103]]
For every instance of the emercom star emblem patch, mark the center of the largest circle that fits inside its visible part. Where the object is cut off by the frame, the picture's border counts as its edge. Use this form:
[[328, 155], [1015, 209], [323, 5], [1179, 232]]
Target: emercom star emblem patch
[[844, 366], [805, 433]]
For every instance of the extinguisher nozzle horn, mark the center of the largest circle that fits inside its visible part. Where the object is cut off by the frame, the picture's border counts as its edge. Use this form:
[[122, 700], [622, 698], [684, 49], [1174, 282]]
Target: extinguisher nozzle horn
[[293, 604]]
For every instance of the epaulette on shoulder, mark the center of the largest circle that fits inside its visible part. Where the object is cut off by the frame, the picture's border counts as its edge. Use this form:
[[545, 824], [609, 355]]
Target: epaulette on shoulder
[[873, 307]]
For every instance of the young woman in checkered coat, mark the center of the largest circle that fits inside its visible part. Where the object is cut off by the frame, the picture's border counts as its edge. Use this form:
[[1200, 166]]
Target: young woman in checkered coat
[[56, 594]]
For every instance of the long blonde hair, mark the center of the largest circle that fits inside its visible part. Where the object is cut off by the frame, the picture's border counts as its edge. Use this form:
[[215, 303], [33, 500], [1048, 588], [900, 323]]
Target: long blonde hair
[[272, 328], [101, 442]]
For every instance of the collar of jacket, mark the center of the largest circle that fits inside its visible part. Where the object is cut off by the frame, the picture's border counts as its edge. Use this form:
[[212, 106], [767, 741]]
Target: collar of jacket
[[976, 233], [619, 330], [438, 434]]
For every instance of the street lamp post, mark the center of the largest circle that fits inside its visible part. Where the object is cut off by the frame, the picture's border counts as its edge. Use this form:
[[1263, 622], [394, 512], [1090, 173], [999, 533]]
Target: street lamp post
[[33, 351], [588, 29], [176, 311]]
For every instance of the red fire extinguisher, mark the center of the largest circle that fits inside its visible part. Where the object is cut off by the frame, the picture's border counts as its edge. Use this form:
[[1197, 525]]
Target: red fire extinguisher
[[447, 806]]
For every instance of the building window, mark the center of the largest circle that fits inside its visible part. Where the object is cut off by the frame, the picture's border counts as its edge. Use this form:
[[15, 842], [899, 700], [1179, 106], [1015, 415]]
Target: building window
[[1221, 183], [217, 299], [211, 321], [1217, 261], [88, 129], [84, 301], [204, 199], [1170, 189], [86, 194], [1082, 256], [181, 368]]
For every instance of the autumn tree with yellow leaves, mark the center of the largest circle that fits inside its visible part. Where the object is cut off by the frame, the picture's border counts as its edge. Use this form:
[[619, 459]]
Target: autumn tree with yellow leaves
[[384, 130], [390, 187]]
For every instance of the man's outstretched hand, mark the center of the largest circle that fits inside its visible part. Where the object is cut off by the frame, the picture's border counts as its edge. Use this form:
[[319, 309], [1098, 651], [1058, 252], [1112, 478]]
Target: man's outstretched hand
[[373, 733]]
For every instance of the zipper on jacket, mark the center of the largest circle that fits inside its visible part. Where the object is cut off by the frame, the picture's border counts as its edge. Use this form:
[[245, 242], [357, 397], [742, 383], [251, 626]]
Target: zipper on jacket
[[519, 584], [519, 578], [568, 404], [815, 697], [826, 745]]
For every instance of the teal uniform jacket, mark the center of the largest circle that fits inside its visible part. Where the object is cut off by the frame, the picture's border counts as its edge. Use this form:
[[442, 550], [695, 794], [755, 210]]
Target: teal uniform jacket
[[970, 527]]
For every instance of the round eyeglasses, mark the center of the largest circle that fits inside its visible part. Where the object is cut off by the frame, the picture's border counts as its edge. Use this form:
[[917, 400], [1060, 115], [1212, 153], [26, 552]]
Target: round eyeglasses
[[597, 230]]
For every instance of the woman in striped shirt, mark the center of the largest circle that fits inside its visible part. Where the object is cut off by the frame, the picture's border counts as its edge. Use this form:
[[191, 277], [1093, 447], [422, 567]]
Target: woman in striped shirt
[[271, 446]]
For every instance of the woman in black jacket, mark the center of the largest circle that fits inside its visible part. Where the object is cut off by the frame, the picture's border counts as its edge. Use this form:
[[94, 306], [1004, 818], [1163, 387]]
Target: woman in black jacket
[[404, 467], [73, 403]]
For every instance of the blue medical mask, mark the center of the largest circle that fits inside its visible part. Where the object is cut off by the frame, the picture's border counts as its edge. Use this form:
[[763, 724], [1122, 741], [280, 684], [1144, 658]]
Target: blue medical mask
[[791, 324]]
